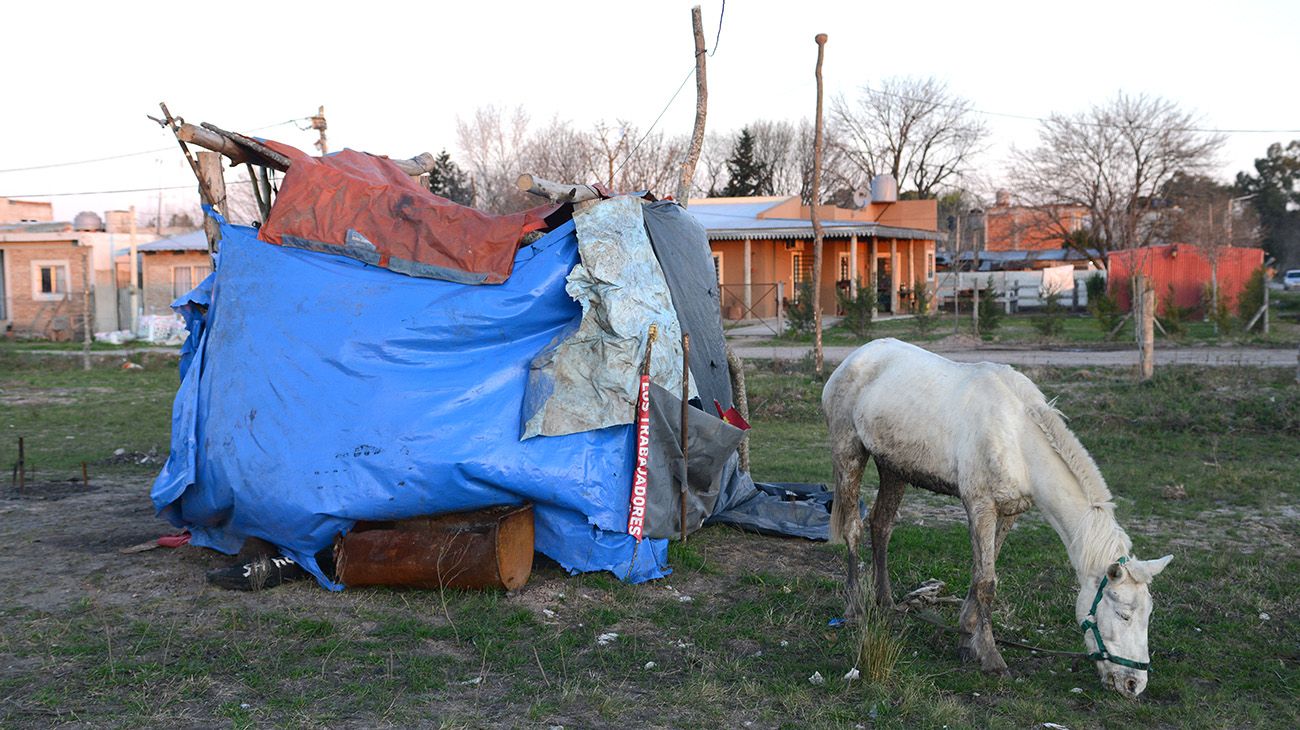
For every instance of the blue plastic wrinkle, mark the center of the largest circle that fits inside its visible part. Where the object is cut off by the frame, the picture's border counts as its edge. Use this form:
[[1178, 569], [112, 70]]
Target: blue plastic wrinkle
[[320, 391]]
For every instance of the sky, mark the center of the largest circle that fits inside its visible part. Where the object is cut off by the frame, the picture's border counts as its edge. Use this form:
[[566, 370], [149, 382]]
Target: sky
[[394, 77]]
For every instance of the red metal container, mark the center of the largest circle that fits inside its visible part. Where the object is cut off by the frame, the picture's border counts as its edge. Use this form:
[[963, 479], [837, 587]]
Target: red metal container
[[489, 548]]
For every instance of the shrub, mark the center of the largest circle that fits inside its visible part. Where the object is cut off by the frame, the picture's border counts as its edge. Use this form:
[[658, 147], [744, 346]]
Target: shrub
[[1252, 296], [926, 316], [799, 313], [990, 310], [1176, 317], [857, 309], [1217, 311], [1052, 320], [1102, 306]]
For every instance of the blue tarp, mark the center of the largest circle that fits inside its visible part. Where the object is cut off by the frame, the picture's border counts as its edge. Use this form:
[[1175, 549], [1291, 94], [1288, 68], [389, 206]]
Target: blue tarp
[[319, 391]]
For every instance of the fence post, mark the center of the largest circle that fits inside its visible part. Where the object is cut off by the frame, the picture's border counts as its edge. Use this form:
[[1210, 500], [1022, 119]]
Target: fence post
[[780, 308]]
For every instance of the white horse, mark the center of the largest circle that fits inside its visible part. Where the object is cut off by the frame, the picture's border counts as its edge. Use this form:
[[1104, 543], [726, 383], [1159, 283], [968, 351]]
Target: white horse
[[986, 434]]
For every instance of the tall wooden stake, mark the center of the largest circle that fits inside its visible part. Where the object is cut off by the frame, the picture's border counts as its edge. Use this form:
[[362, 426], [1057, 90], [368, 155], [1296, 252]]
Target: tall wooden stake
[[1146, 328], [212, 180], [816, 222], [686, 394], [318, 124], [701, 110]]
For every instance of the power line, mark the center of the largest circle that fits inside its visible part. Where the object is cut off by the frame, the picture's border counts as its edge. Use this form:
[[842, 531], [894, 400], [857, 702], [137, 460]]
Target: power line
[[717, 39], [129, 154], [153, 189]]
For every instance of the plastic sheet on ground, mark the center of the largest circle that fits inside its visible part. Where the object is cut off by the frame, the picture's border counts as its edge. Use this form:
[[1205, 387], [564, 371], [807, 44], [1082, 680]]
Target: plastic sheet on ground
[[320, 391]]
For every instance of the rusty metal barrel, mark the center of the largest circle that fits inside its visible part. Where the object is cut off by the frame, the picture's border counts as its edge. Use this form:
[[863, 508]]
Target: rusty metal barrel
[[483, 549]]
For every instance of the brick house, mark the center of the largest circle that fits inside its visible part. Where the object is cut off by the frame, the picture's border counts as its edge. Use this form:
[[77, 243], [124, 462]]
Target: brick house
[[57, 277], [171, 267], [762, 250], [1013, 227], [45, 284]]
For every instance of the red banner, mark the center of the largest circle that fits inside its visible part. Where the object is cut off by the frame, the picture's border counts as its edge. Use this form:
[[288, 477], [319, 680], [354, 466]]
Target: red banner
[[636, 513]]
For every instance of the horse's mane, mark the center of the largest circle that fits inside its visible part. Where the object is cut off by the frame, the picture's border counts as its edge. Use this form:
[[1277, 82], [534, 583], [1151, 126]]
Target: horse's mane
[[1098, 538]]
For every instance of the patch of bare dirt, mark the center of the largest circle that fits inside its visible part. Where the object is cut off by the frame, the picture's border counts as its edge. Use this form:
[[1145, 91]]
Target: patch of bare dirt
[[14, 394]]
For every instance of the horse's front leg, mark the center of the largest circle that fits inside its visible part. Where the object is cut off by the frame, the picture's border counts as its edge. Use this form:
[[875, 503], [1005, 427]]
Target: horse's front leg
[[976, 623]]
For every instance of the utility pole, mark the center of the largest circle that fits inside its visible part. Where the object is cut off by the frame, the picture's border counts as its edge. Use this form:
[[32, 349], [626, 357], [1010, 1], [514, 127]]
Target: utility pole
[[701, 111], [133, 288], [318, 124]]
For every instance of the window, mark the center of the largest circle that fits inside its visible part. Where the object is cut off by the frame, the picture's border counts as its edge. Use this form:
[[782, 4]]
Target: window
[[801, 266], [929, 266], [49, 281], [185, 278], [845, 274], [717, 267]]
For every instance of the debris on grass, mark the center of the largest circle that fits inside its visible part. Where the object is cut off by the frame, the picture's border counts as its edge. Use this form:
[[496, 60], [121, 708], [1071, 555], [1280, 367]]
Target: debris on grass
[[606, 638], [650, 665], [852, 675], [817, 679], [1174, 491]]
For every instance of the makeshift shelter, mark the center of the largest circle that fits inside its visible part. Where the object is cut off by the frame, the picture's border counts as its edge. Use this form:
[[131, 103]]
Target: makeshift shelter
[[371, 367]]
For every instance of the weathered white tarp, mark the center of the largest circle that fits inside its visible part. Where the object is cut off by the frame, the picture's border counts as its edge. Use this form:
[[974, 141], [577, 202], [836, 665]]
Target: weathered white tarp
[[1058, 279], [588, 378]]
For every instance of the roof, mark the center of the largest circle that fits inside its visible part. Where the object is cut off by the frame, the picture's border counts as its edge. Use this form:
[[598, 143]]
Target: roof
[[192, 241], [724, 220], [44, 227]]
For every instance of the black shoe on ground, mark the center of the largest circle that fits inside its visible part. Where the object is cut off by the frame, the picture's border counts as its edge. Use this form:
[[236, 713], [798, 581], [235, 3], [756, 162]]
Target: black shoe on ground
[[265, 572]]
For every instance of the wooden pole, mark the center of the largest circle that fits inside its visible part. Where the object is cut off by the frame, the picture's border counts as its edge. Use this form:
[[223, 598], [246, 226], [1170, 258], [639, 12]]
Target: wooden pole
[[212, 180], [1146, 328], [749, 278], [701, 110], [556, 192], [88, 302], [686, 394], [740, 395], [133, 266], [818, 355]]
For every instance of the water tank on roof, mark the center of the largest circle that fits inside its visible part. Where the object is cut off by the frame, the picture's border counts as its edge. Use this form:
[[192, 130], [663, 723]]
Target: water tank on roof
[[88, 221], [884, 189]]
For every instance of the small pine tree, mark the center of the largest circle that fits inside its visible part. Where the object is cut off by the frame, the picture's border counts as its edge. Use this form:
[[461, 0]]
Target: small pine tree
[[746, 176], [1176, 317], [799, 313], [1104, 308], [1252, 296], [857, 310], [1052, 320], [447, 180], [990, 311]]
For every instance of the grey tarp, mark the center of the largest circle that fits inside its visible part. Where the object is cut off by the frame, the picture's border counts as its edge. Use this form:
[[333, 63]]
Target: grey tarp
[[682, 247], [587, 378], [710, 441]]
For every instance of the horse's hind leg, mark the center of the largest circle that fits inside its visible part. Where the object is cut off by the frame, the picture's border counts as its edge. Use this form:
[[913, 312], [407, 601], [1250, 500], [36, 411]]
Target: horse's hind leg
[[849, 458], [883, 512]]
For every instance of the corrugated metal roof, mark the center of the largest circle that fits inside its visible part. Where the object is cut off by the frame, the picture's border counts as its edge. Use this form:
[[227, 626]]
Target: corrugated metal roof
[[735, 221], [192, 241], [54, 227]]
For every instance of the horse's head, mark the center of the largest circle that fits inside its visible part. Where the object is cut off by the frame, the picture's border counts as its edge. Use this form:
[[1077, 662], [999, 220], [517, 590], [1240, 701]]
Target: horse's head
[[1114, 611]]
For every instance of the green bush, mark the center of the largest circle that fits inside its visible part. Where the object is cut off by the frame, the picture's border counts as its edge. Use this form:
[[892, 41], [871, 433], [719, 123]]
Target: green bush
[[1051, 322], [799, 313], [926, 317], [990, 310], [857, 309], [1103, 307], [1252, 296], [1176, 317], [1217, 311]]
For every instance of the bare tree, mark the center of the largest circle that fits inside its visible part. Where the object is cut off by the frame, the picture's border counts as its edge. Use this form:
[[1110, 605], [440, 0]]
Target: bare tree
[[911, 128], [1113, 160], [492, 144]]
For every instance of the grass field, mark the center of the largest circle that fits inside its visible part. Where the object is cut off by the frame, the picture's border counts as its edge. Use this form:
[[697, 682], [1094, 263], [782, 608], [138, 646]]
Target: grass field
[[142, 641]]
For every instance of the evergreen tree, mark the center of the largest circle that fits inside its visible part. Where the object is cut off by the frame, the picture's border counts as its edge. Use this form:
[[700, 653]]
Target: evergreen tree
[[746, 175], [447, 180]]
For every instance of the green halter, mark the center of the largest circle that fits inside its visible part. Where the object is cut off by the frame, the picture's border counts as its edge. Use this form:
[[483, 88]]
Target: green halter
[[1090, 624]]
